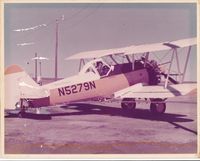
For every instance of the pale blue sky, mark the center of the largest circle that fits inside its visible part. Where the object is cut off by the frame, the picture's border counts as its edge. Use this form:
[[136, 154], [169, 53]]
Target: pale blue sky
[[91, 27]]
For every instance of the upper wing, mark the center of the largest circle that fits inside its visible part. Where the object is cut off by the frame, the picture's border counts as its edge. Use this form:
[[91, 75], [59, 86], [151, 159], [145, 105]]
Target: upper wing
[[146, 48], [185, 42], [161, 46], [158, 91], [135, 49], [97, 53]]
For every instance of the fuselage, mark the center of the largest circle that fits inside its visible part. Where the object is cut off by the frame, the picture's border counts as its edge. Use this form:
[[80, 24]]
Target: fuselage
[[67, 91]]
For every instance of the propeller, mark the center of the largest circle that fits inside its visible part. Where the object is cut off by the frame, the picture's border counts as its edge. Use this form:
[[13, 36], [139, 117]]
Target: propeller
[[158, 67], [162, 72]]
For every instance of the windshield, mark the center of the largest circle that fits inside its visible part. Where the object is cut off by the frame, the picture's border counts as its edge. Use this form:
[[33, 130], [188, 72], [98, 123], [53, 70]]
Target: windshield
[[97, 67]]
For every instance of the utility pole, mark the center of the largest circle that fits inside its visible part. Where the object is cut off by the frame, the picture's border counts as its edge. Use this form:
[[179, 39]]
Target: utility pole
[[56, 52], [56, 47], [40, 76], [40, 64], [37, 59], [36, 67]]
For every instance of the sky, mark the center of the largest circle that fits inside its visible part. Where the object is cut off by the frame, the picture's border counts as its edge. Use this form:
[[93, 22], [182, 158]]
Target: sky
[[88, 27]]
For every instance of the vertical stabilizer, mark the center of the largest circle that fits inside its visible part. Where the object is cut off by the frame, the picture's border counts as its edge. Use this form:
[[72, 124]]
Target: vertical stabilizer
[[14, 76]]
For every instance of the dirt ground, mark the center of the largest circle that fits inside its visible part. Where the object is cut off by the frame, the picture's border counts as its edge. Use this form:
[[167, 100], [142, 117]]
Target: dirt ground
[[105, 129]]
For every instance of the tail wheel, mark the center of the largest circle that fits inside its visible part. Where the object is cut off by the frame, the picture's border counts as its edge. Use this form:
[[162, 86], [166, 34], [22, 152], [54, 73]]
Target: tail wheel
[[22, 105], [158, 106], [21, 114], [128, 104]]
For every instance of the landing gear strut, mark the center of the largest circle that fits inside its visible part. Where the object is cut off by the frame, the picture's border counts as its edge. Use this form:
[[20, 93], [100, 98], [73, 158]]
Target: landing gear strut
[[158, 106], [128, 104]]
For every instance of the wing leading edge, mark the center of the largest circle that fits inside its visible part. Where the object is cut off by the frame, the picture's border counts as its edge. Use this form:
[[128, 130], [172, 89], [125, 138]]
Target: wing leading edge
[[153, 47], [161, 46], [97, 53]]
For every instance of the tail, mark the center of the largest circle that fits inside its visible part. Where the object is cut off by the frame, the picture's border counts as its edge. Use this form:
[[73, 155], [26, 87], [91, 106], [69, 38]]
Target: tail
[[15, 78]]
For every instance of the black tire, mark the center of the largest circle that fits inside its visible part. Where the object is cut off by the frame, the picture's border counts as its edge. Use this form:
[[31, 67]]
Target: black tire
[[158, 106], [21, 114], [128, 104], [25, 105]]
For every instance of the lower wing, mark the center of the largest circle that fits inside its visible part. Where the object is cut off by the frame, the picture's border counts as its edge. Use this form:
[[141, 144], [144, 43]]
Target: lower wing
[[158, 91]]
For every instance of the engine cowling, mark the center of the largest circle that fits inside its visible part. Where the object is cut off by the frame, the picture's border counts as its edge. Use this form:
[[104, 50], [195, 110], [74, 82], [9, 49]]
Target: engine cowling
[[154, 72], [152, 69]]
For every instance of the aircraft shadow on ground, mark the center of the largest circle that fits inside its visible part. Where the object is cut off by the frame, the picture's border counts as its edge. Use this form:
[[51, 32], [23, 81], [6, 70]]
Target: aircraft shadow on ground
[[89, 109], [31, 116]]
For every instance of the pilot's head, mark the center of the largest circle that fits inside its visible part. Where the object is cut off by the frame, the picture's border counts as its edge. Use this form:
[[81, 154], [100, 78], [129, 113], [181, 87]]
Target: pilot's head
[[143, 58], [99, 64]]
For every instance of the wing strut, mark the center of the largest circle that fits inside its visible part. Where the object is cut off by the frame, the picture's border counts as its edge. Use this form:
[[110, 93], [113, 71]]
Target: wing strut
[[168, 72], [186, 63], [128, 58], [133, 60], [178, 66], [113, 59], [80, 64]]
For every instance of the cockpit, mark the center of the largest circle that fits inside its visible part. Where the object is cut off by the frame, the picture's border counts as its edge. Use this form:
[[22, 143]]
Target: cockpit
[[97, 67]]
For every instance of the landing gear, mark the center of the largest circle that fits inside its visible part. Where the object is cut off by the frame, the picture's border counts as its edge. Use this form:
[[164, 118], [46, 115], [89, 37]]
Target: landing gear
[[22, 106], [158, 106], [128, 104]]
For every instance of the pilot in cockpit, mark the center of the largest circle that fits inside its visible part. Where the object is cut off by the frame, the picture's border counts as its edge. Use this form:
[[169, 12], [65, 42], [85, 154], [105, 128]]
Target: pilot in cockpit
[[99, 67]]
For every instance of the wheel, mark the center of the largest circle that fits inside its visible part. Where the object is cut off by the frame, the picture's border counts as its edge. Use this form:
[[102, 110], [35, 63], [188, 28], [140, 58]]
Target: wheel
[[25, 103], [22, 105], [128, 104], [158, 106], [21, 114]]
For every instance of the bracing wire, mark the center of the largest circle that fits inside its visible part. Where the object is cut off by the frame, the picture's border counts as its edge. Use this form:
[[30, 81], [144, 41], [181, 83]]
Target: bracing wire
[[41, 27]]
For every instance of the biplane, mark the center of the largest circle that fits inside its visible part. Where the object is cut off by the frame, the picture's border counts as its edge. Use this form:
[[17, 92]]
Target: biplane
[[111, 74]]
